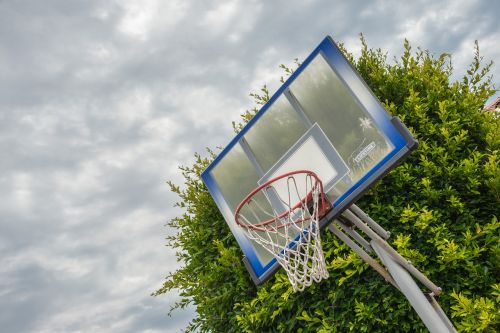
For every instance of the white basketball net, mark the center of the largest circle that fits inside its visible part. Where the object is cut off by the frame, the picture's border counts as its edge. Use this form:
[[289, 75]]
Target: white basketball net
[[291, 232]]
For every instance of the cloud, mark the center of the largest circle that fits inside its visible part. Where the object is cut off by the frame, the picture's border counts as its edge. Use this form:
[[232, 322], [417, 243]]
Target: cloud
[[103, 100], [141, 19]]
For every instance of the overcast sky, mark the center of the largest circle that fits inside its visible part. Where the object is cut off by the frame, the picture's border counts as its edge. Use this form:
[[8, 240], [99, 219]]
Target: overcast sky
[[101, 101]]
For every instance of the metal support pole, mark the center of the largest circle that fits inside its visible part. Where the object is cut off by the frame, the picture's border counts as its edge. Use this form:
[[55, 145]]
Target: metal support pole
[[374, 225], [440, 311], [398, 268], [365, 256], [393, 253], [431, 316], [357, 237]]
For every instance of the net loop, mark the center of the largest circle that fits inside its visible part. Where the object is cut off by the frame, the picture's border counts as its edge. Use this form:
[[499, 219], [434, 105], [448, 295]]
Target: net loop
[[282, 216]]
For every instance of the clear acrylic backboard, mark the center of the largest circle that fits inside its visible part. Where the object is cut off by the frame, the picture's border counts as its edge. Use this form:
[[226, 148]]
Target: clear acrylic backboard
[[325, 119]]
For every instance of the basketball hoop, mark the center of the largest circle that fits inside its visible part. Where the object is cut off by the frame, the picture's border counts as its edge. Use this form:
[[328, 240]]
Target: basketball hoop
[[282, 215]]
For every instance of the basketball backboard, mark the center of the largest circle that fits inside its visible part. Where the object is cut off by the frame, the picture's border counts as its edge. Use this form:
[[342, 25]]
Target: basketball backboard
[[325, 119]]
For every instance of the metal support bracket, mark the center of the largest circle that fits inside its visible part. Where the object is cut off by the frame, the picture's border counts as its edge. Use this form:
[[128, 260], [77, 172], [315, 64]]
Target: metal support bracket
[[397, 271]]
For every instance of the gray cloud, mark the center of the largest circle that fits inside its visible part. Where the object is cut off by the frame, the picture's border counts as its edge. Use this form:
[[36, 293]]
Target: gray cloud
[[101, 101]]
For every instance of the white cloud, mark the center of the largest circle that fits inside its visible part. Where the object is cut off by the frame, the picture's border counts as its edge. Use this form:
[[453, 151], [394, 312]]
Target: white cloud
[[203, 107], [22, 195], [231, 19], [141, 18], [138, 18], [134, 107]]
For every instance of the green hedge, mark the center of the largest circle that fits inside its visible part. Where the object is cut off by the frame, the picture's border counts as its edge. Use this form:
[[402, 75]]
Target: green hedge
[[441, 206]]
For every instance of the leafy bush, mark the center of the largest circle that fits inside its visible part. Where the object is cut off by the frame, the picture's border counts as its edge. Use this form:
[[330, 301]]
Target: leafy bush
[[441, 206]]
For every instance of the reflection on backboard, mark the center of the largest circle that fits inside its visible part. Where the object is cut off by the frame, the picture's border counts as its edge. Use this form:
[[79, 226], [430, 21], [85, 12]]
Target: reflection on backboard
[[323, 119]]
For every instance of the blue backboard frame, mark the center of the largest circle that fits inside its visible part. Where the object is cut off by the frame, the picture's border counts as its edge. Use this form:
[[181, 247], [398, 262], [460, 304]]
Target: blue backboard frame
[[400, 138]]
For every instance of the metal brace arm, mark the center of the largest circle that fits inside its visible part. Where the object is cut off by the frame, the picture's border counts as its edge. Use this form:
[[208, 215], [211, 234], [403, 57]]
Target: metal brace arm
[[398, 268]]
